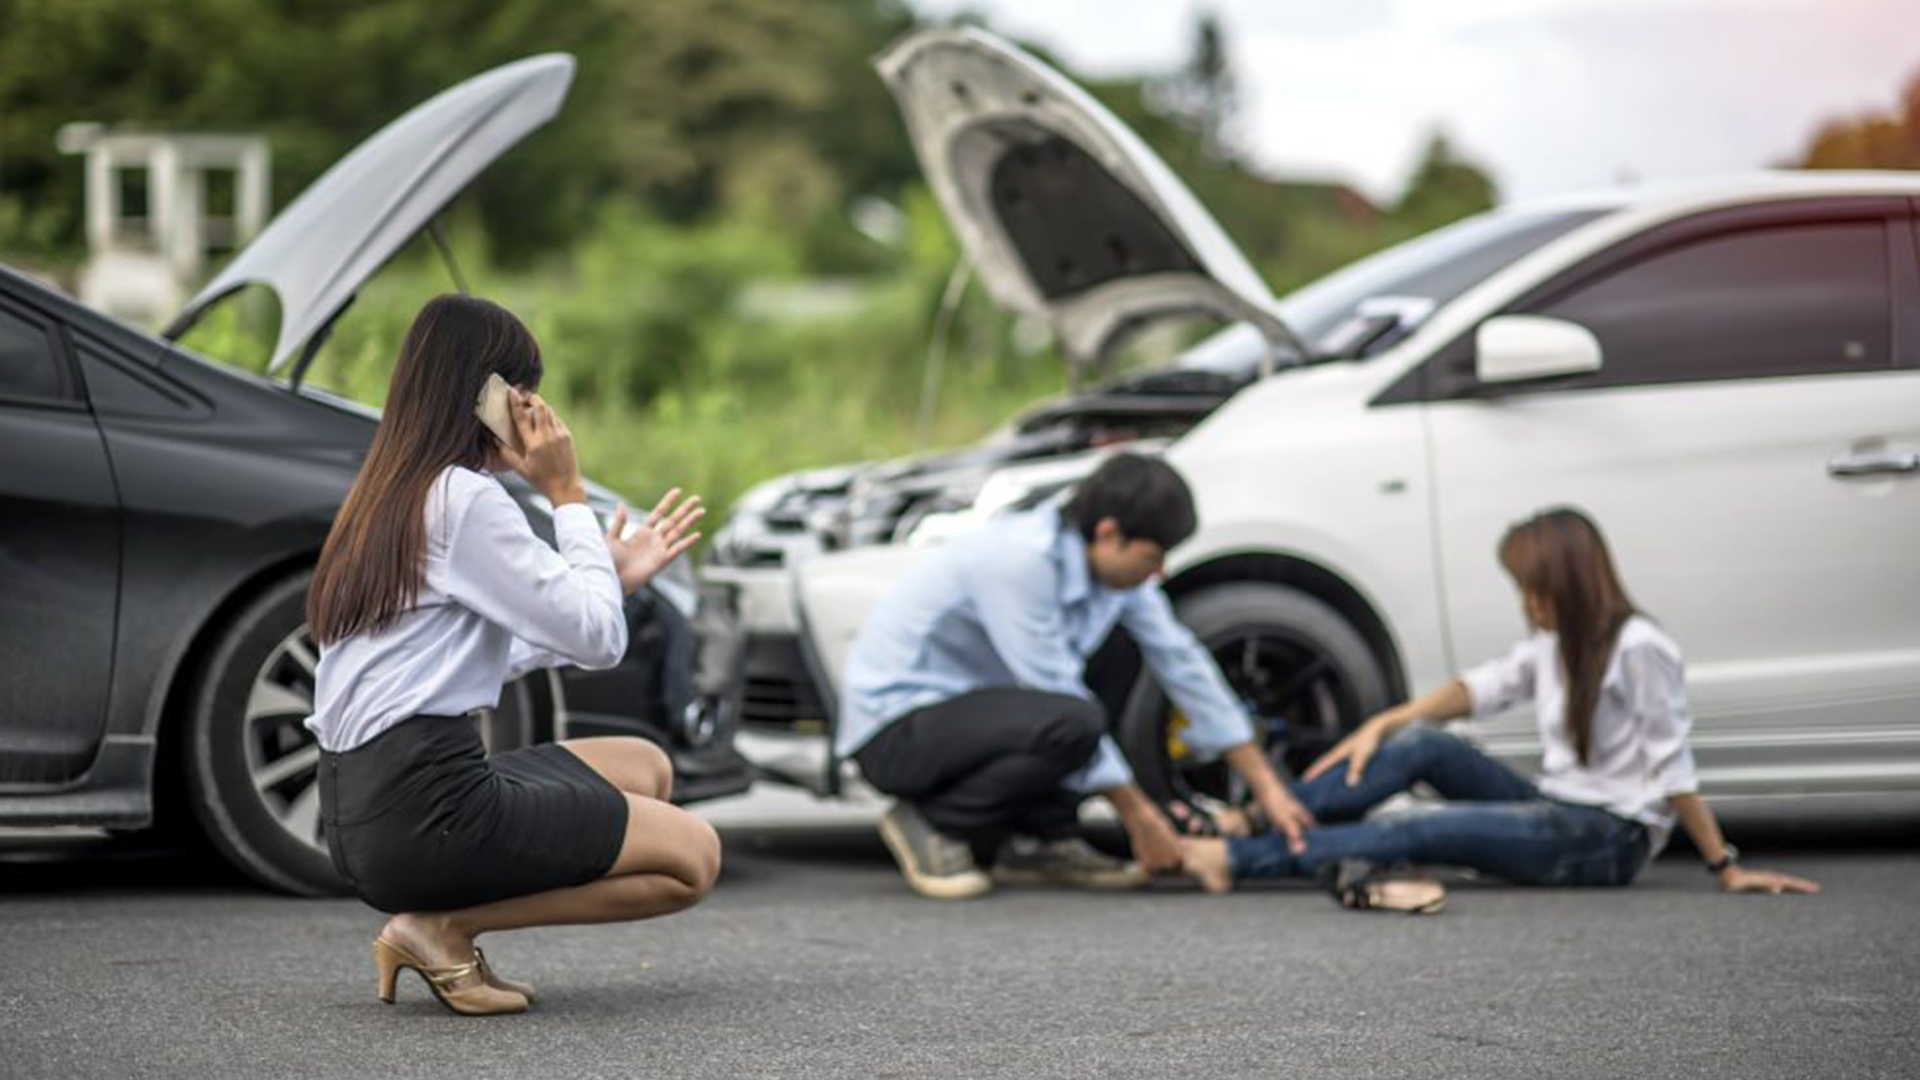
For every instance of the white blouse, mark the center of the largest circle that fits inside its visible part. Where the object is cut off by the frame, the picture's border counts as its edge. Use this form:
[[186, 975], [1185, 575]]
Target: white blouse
[[497, 603], [1637, 753]]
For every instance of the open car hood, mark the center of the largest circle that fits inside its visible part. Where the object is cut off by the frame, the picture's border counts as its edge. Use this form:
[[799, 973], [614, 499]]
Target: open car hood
[[1064, 212], [318, 251]]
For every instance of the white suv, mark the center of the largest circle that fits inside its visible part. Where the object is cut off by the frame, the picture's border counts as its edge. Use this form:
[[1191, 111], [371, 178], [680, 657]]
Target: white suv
[[1726, 375]]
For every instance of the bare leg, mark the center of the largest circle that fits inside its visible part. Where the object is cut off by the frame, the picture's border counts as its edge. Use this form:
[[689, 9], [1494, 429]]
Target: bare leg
[[634, 765], [668, 862]]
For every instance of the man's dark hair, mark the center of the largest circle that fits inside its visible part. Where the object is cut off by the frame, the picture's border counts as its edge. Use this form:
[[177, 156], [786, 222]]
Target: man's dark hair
[[1145, 495]]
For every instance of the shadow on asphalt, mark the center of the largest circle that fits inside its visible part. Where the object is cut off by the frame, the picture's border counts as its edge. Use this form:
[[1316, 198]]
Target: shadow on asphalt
[[81, 864], [119, 864]]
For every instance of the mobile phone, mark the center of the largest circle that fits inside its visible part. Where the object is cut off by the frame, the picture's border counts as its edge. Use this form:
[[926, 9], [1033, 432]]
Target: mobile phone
[[495, 412]]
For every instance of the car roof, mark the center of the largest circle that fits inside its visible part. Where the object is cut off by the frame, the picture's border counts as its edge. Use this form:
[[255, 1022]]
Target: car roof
[[1759, 186]]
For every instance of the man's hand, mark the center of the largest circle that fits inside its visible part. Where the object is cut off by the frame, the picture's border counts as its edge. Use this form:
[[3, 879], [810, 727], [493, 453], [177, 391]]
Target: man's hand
[[1355, 750], [1285, 813], [655, 542], [1156, 847]]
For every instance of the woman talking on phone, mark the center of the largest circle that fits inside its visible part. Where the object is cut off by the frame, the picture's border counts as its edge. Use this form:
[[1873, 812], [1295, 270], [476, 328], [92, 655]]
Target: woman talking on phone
[[431, 593]]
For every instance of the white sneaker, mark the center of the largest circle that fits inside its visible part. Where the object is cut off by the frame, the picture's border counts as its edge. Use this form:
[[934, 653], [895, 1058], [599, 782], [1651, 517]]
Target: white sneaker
[[935, 864]]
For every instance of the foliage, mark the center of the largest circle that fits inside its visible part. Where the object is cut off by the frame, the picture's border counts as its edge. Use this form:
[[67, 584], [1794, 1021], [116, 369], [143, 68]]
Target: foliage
[[676, 102], [678, 240], [665, 373], [1889, 140], [1444, 188]]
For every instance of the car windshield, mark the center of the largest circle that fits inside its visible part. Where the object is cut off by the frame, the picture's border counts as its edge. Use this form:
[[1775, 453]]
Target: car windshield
[[1405, 282]]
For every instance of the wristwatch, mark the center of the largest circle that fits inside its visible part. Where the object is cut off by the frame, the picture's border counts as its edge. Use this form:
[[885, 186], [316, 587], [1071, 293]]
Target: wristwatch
[[1728, 856]]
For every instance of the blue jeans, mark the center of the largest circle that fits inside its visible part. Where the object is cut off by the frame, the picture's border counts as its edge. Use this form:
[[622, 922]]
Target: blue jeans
[[1496, 821]]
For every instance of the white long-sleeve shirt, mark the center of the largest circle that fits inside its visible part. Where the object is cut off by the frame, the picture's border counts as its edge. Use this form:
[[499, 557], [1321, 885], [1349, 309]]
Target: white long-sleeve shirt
[[1637, 753], [497, 603]]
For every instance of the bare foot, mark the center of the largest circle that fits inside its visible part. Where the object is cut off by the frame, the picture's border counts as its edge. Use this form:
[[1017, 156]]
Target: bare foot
[[1206, 861], [429, 937]]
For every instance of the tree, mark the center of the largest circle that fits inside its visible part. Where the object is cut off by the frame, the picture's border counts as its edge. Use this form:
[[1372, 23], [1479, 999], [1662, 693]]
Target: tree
[[1444, 188], [676, 102], [1889, 140], [1203, 95]]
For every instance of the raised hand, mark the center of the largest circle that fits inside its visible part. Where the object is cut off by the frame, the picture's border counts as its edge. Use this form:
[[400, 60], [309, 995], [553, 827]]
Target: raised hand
[[643, 549]]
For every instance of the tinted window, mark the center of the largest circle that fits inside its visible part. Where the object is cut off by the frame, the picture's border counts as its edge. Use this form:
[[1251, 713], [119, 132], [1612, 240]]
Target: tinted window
[[1788, 300], [114, 390], [1436, 267], [27, 362]]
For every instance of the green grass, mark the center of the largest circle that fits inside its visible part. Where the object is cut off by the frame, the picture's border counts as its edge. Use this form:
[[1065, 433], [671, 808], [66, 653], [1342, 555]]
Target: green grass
[[668, 379]]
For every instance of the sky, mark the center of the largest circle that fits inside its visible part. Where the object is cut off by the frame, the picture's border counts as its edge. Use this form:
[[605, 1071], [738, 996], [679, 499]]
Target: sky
[[1548, 95]]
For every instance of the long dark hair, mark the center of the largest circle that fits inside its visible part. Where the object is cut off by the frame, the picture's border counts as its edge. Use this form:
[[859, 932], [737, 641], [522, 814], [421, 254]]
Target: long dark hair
[[374, 561], [1559, 559]]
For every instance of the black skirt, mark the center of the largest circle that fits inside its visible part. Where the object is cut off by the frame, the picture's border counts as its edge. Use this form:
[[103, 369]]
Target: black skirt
[[421, 819]]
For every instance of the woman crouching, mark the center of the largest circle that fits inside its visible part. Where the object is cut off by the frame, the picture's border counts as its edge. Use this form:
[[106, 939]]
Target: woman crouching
[[431, 593]]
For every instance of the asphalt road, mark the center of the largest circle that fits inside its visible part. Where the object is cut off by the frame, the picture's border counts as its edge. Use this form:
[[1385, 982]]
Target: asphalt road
[[812, 959]]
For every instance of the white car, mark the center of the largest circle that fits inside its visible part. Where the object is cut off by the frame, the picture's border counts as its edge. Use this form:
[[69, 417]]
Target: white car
[[1725, 374]]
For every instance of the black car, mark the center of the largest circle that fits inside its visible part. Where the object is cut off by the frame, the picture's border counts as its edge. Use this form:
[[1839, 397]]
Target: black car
[[160, 515]]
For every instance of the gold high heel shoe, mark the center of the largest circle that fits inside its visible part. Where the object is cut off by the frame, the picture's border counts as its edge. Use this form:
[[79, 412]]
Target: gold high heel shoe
[[499, 981], [477, 998]]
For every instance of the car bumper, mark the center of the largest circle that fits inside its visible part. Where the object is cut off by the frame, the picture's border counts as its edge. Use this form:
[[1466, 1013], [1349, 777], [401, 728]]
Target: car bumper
[[679, 686]]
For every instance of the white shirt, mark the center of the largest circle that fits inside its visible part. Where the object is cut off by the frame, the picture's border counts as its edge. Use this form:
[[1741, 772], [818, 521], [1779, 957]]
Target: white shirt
[[497, 603], [1637, 753]]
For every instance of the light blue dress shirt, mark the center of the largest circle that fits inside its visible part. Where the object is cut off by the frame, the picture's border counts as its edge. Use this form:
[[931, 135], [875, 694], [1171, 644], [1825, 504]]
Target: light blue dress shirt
[[1013, 604]]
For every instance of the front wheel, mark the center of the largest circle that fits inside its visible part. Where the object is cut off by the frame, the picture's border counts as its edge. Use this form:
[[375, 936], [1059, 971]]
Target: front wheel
[[252, 767], [1305, 674]]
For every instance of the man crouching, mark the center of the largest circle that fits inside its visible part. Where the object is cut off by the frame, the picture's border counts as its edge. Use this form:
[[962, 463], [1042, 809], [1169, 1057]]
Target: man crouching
[[966, 697]]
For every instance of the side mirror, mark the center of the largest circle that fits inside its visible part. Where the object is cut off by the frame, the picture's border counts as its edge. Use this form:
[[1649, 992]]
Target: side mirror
[[1522, 348]]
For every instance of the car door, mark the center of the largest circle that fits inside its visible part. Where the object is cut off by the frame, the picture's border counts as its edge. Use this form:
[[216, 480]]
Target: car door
[[1747, 449], [59, 558]]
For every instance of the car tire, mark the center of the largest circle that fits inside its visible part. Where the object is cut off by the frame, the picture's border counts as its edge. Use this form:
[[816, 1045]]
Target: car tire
[[251, 767], [1311, 679]]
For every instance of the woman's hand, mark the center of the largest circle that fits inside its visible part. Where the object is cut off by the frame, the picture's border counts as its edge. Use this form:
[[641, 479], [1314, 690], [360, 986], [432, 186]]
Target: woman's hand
[[1355, 750], [653, 543], [547, 461], [1738, 878]]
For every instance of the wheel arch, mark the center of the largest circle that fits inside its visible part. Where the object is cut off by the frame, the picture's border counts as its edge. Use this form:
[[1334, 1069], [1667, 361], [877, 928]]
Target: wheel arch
[[1312, 578], [169, 781]]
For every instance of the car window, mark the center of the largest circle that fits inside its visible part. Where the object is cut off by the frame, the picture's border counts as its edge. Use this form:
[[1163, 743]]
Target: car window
[[1434, 268], [28, 366], [115, 391], [1424, 273], [1797, 299]]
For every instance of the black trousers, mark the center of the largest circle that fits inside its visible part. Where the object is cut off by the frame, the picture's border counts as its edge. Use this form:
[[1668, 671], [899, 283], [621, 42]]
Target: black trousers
[[988, 764]]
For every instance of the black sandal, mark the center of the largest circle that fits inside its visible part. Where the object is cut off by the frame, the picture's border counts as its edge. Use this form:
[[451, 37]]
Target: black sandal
[[1361, 885], [1199, 815], [1190, 819]]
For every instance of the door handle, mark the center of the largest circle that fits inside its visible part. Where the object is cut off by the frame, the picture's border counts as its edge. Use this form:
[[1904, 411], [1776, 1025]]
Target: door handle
[[1873, 464]]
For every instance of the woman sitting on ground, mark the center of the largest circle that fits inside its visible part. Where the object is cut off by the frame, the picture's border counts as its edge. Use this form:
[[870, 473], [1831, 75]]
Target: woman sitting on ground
[[1612, 711], [431, 593]]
